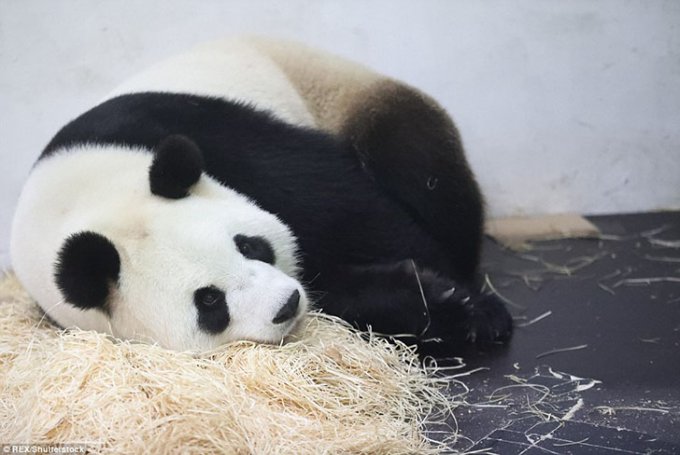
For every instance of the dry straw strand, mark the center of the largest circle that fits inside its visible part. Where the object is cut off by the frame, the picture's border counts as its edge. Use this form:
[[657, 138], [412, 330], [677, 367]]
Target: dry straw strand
[[328, 390]]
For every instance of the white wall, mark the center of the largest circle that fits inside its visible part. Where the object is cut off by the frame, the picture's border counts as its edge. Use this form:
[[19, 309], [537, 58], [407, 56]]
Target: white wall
[[563, 105]]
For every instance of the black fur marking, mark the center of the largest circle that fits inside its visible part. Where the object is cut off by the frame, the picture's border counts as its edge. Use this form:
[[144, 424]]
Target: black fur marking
[[176, 167], [413, 150], [213, 312], [255, 247], [87, 265]]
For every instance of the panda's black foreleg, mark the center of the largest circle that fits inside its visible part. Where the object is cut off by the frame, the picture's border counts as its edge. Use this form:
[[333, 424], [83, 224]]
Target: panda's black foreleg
[[414, 304]]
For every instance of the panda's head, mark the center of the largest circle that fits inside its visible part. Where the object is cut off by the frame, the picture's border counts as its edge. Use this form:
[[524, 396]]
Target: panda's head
[[178, 259]]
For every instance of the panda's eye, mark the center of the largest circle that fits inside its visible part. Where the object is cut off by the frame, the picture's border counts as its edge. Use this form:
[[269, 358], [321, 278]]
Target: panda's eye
[[207, 298], [213, 312], [256, 248], [210, 299]]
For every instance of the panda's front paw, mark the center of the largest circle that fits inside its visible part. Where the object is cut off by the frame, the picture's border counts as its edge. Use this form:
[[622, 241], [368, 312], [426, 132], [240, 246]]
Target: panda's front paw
[[458, 318], [487, 320]]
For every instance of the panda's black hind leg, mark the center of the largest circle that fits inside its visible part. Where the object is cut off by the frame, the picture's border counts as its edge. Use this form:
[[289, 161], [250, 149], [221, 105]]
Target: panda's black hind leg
[[415, 305], [409, 145]]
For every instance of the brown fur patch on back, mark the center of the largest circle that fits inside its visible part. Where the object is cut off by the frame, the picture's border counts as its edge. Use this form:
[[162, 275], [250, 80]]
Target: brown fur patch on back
[[331, 86]]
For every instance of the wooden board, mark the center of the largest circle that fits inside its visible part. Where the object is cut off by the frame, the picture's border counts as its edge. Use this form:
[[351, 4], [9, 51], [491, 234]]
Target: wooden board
[[514, 232]]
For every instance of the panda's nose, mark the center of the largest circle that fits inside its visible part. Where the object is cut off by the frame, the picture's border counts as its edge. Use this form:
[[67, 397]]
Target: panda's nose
[[289, 309]]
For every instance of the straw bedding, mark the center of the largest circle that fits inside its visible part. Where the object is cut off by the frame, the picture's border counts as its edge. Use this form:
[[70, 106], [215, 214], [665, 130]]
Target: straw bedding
[[329, 390]]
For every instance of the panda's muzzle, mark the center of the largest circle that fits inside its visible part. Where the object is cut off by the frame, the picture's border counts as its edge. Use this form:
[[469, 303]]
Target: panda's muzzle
[[289, 309]]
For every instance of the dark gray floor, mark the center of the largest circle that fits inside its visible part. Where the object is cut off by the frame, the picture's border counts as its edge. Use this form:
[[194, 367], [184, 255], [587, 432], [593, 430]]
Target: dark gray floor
[[615, 302]]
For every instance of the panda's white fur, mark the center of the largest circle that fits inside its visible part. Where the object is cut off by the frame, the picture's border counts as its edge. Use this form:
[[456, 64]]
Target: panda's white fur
[[149, 233], [229, 69]]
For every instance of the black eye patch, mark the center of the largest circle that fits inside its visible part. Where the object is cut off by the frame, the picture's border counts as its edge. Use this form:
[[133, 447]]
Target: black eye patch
[[213, 313], [256, 248]]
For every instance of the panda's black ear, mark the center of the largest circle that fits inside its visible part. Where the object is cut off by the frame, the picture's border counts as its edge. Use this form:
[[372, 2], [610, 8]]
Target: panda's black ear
[[177, 165], [87, 265]]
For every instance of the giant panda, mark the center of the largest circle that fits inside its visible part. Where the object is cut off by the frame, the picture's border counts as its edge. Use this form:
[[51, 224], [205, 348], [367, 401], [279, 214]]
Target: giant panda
[[222, 193]]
